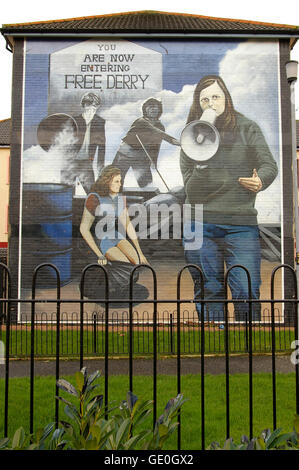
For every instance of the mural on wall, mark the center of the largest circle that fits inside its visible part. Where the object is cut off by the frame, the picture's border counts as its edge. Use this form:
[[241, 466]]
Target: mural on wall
[[155, 152]]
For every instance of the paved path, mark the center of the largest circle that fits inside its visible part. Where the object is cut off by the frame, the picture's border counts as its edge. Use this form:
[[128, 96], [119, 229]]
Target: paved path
[[213, 365]]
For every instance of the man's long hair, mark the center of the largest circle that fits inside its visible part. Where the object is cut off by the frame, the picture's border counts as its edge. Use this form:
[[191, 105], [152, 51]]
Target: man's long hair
[[101, 186], [225, 123]]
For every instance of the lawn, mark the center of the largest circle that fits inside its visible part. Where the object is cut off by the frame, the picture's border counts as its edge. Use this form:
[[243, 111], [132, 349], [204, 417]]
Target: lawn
[[215, 403], [118, 339]]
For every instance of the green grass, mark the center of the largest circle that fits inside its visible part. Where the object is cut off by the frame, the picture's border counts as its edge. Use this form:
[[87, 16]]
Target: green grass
[[215, 403], [45, 341]]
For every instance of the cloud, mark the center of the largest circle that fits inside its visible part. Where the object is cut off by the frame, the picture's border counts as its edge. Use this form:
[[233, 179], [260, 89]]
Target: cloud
[[54, 165], [40, 166], [250, 72]]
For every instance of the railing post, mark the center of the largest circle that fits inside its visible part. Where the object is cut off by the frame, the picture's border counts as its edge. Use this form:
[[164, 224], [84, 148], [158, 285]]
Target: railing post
[[249, 352], [7, 345], [94, 333], [33, 302], [295, 307], [273, 353], [57, 347], [82, 281], [131, 334], [202, 304], [171, 333], [131, 301], [226, 336], [250, 362]]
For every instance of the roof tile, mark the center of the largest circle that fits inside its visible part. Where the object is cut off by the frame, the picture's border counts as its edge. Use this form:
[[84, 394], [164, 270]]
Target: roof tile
[[5, 132], [145, 21]]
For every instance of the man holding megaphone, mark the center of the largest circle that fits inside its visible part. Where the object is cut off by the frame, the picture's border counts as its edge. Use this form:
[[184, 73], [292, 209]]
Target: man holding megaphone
[[225, 161]]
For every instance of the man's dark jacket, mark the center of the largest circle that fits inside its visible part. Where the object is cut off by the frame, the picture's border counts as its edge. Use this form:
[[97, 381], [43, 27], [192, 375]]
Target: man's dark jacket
[[97, 137]]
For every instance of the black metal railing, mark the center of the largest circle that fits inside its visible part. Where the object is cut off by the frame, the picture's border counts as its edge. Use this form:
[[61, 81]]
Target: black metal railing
[[118, 334], [175, 328]]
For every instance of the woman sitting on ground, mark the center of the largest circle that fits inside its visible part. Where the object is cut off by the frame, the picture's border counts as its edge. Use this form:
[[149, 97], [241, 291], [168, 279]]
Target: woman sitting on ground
[[106, 207]]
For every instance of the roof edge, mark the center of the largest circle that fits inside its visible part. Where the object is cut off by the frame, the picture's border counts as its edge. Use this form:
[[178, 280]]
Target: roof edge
[[212, 33], [153, 12]]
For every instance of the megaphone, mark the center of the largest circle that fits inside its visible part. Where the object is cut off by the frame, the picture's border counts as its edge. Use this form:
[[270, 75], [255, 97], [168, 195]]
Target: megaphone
[[200, 139]]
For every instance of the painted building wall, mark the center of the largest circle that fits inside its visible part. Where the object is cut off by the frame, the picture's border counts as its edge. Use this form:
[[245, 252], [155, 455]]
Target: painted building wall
[[297, 147], [137, 105], [4, 191]]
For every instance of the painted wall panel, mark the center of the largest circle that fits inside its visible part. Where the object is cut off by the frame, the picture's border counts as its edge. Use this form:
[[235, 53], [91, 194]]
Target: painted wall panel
[[139, 106]]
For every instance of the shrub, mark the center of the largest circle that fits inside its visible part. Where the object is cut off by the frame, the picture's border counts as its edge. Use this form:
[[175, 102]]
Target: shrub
[[267, 440], [91, 427]]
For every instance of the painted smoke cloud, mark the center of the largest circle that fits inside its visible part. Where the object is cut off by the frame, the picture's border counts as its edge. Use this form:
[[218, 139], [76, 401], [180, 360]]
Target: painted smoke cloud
[[54, 165]]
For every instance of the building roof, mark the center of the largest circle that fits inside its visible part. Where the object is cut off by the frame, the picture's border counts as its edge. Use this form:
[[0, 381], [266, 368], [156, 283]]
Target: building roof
[[5, 132], [150, 22]]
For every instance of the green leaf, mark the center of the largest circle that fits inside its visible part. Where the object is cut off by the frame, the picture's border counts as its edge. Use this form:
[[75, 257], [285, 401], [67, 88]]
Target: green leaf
[[89, 390], [131, 400], [67, 387], [133, 441], [163, 430], [242, 447], [140, 408], [4, 442], [140, 419], [214, 446], [122, 432], [93, 408], [72, 413], [18, 439], [92, 378], [261, 443], [32, 447], [91, 444], [272, 437], [98, 399], [101, 431], [296, 423], [96, 432], [282, 439], [229, 445], [79, 380], [68, 428], [64, 401], [84, 373], [57, 440], [45, 432]]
